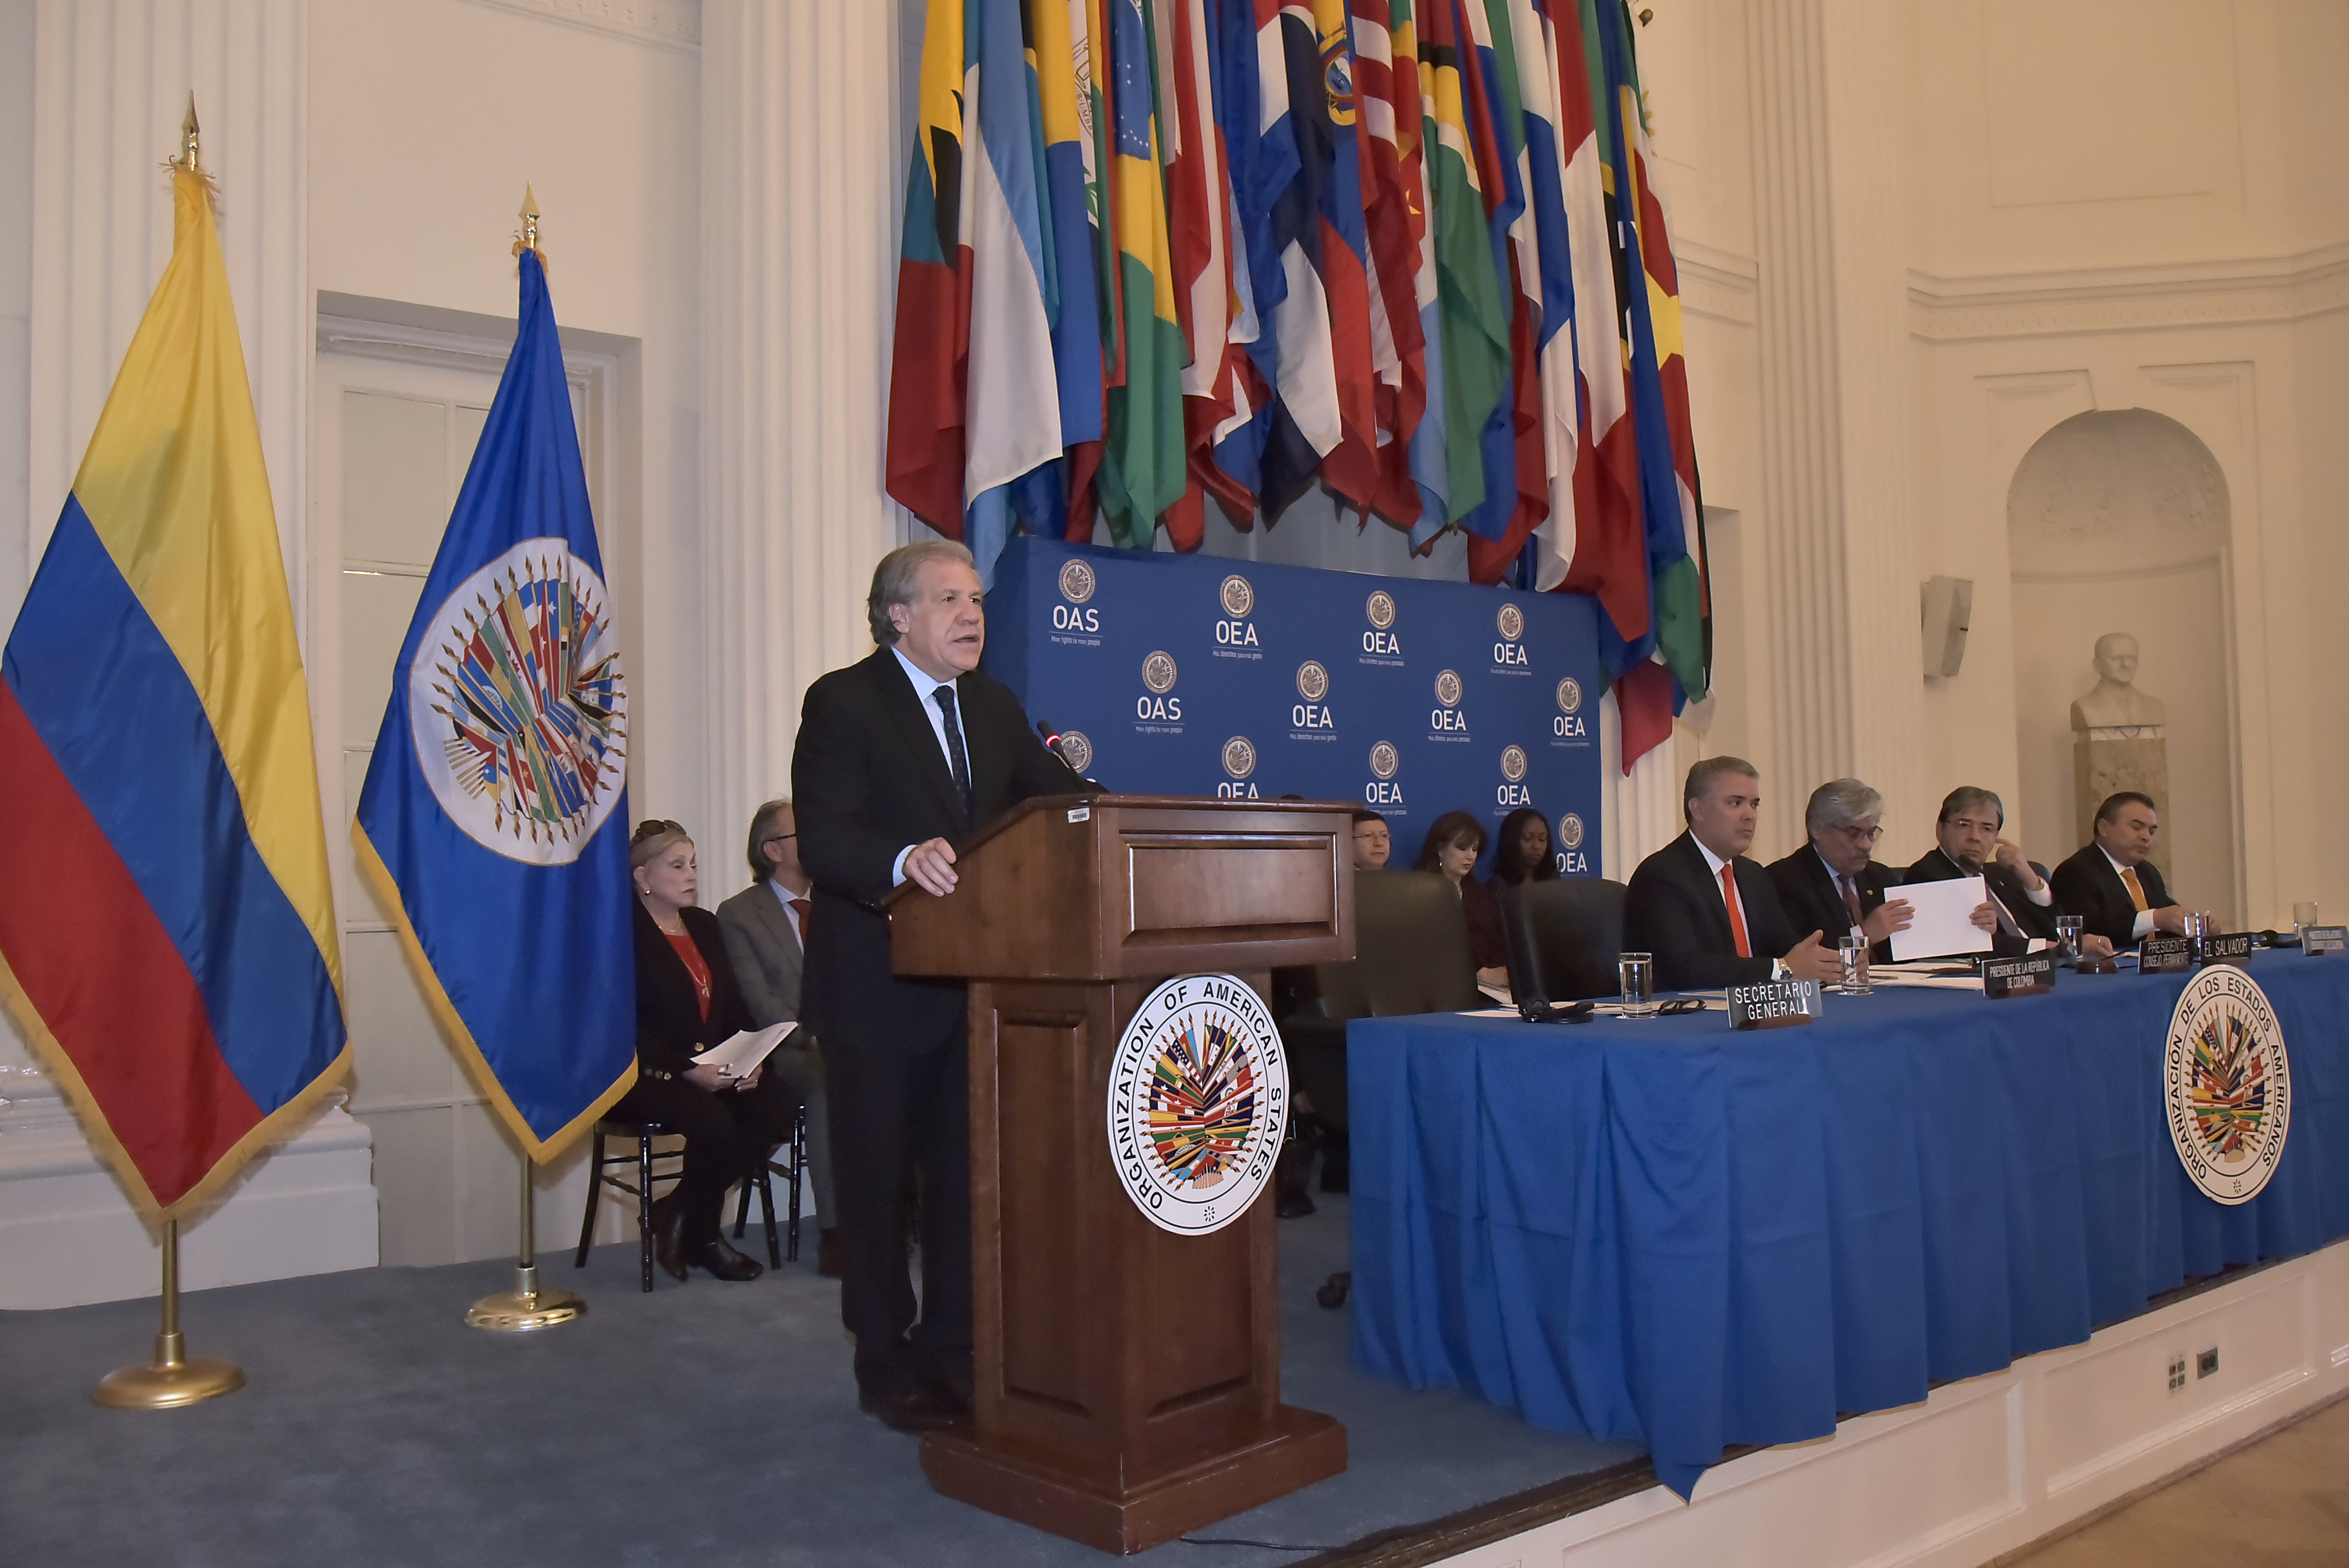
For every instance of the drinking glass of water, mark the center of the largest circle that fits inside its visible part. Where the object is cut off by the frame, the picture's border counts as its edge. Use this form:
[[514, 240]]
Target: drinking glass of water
[[2067, 932], [1636, 973], [2303, 915], [1852, 951]]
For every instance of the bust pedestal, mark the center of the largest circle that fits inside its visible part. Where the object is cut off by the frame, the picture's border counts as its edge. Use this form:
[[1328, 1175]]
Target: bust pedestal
[[2109, 759]]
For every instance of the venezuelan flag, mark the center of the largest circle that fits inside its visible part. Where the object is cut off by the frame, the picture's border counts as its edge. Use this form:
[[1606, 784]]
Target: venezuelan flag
[[168, 941]]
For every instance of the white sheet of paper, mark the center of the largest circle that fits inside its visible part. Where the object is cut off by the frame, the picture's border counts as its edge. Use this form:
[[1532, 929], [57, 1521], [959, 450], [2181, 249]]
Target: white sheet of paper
[[1941, 919], [746, 1050]]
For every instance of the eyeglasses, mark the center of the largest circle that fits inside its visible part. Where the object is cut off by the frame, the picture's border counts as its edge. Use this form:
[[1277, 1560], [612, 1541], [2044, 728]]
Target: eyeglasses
[[1859, 835]]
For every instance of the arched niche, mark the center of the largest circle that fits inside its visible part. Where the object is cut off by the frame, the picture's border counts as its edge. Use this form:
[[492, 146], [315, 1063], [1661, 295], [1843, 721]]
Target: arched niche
[[2118, 521]]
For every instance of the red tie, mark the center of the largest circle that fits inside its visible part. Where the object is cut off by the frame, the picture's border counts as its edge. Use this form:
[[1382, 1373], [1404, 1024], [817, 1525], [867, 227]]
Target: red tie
[[1851, 900], [1736, 915], [800, 910]]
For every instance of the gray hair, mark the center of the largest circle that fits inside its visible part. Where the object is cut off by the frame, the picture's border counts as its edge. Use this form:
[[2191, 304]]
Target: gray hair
[[1839, 804], [1966, 797], [1700, 777], [762, 822], [894, 580]]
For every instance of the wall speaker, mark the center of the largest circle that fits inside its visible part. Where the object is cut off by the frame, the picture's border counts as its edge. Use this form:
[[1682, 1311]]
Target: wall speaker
[[1949, 609]]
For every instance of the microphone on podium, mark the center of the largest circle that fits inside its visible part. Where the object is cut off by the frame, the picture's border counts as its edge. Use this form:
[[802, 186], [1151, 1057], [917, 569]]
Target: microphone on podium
[[1052, 744]]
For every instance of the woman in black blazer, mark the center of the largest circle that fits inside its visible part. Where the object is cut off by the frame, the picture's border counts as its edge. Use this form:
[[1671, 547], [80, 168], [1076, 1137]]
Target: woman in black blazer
[[1453, 845], [688, 1001]]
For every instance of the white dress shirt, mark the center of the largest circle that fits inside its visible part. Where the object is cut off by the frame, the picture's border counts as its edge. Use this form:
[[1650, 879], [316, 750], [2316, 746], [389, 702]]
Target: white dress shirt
[[1838, 878], [1777, 964], [924, 686], [790, 914]]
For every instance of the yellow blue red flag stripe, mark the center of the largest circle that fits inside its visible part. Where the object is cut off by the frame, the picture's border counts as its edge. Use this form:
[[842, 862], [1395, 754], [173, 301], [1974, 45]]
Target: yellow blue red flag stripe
[[170, 946]]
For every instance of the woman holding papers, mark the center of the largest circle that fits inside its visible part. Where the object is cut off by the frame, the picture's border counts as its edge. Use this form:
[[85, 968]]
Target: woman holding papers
[[1451, 847], [686, 1002]]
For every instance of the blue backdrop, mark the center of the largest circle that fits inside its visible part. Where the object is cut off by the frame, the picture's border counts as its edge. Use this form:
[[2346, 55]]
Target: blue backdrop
[[1186, 675]]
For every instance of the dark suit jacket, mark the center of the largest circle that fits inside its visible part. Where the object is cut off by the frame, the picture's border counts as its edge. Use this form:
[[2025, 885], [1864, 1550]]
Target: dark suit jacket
[[1808, 892], [766, 952], [670, 1029], [869, 779], [1937, 866], [2087, 885], [1673, 909]]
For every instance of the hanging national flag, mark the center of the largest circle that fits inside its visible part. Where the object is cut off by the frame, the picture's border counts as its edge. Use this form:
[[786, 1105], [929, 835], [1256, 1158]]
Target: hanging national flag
[[1089, 41], [930, 351], [1604, 554], [1677, 633], [1142, 466], [1473, 310], [168, 943], [1199, 214], [1063, 86], [1252, 103], [1323, 106], [493, 823], [1395, 215], [1537, 38]]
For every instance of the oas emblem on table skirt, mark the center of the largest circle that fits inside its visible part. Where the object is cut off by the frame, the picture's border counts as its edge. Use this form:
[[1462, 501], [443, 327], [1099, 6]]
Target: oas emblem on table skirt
[[1198, 1100], [2226, 1084], [517, 706]]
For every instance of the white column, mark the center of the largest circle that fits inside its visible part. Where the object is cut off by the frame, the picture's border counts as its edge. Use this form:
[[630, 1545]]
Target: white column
[[1834, 337], [801, 174], [111, 79]]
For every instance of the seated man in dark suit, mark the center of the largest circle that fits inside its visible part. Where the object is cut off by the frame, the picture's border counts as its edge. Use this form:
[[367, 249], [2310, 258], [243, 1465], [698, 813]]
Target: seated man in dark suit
[[1833, 881], [2111, 884], [1709, 915], [2022, 905]]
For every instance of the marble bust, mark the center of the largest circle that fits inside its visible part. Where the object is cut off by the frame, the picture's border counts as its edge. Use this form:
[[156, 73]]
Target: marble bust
[[2115, 703]]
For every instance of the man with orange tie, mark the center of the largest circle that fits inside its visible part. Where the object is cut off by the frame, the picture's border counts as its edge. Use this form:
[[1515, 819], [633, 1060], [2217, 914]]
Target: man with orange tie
[[2110, 885], [1711, 916]]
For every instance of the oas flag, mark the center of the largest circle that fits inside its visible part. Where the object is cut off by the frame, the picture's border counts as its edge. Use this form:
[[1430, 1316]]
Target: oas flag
[[493, 823], [167, 932]]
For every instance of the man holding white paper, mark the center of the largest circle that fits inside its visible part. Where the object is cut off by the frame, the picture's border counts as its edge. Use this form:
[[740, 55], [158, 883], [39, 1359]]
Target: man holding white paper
[[2014, 904]]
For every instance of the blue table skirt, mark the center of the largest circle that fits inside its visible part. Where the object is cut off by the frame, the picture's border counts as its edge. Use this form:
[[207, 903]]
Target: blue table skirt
[[1663, 1231]]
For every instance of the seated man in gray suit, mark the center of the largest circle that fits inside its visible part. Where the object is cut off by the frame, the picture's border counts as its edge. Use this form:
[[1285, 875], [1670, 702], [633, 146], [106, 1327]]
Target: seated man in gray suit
[[766, 936]]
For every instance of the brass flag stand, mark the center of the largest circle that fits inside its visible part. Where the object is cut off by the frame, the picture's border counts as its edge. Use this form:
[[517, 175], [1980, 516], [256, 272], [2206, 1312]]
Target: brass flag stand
[[172, 1379], [526, 1307]]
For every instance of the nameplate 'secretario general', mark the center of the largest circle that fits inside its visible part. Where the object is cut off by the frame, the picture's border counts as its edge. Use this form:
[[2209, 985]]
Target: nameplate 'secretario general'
[[2226, 1084], [1198, 1101]]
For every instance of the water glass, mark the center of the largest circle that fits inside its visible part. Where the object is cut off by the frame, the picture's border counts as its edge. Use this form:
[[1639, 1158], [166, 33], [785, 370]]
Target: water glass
[[2067, 932], [1852, 951], [2303, 915], [1636, 973]]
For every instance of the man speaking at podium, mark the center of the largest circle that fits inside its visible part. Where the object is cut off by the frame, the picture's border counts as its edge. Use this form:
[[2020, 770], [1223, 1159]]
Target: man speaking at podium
[[900, 759]]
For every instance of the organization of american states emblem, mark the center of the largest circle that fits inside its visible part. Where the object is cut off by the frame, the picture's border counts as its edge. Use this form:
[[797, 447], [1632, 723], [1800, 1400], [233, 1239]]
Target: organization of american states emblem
[[1238, 597], [1569, 695], [1380, 608], [1570, 831], [518, 707], [1198, 1096], [2226, 1084], [1158, 671], [1077, 582], [1239, 757], [1513, 764], [1312, 680], [1511, 621], [1447, 689], [1385, 760], [1076, 749]]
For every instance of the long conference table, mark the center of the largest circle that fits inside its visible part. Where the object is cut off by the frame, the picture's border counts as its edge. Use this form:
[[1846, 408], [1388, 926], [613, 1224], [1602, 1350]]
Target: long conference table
[[1662, 1231]]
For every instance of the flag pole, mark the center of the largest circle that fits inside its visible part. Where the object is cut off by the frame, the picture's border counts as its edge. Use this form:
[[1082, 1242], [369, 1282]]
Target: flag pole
[[173, 1378], [526, 1307]]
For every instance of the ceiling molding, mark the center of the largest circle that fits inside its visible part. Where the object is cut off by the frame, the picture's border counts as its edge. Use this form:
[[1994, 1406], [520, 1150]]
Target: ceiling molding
[[2256, 291], [671, 23], [1722, 284]]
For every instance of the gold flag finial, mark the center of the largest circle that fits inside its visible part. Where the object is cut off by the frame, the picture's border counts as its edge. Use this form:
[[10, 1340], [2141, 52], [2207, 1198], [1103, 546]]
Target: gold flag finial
[[188, 138], [528, 239]]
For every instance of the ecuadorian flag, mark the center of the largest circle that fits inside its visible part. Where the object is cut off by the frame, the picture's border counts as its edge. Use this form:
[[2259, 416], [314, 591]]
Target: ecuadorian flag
[[493, 823], [167, 940]]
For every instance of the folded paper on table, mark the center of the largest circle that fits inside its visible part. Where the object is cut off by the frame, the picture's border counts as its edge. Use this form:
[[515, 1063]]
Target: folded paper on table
[[740, 1057], [1941, 919]]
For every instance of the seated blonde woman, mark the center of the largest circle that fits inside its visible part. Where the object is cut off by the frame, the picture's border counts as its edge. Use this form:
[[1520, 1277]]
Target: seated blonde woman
[[688, 1001]]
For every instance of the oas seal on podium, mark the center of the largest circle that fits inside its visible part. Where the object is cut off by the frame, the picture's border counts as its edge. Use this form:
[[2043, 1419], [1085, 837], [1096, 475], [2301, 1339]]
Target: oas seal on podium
[[1198, 1100]]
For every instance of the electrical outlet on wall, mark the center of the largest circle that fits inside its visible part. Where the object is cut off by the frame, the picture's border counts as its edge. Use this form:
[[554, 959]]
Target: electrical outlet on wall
[[2177, 1371], [2207, 1362]]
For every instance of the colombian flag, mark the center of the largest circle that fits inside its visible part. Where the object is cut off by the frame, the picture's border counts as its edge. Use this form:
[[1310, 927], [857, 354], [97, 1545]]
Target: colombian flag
[[169, 943]]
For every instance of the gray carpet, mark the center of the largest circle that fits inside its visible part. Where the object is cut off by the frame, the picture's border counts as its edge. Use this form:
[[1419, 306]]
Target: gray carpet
[[706, 1424]]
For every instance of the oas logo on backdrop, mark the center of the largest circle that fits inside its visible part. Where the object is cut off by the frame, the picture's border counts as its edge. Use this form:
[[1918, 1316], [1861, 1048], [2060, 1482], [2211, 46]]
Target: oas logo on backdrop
[[517, 706], [1570, 831], [1511, 789], [1077, 585], [1312, 680], [1509, 651], [1446, 720], [1076, 749], [1311, 719], [1158, 671], [1239, 761], [1233, 631], [1380, 790], [1568, 725], [1077, 582], [1155, 708], [1380, 608], [1569, 696], [1380, 644], [1238, 596]]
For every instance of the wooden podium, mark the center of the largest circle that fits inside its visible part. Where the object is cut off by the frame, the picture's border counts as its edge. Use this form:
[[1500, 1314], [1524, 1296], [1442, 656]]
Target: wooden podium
[[1128, 1378]]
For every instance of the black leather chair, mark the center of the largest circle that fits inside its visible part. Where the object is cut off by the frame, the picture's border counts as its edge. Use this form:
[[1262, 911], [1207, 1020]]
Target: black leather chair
[[1563, 938]]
